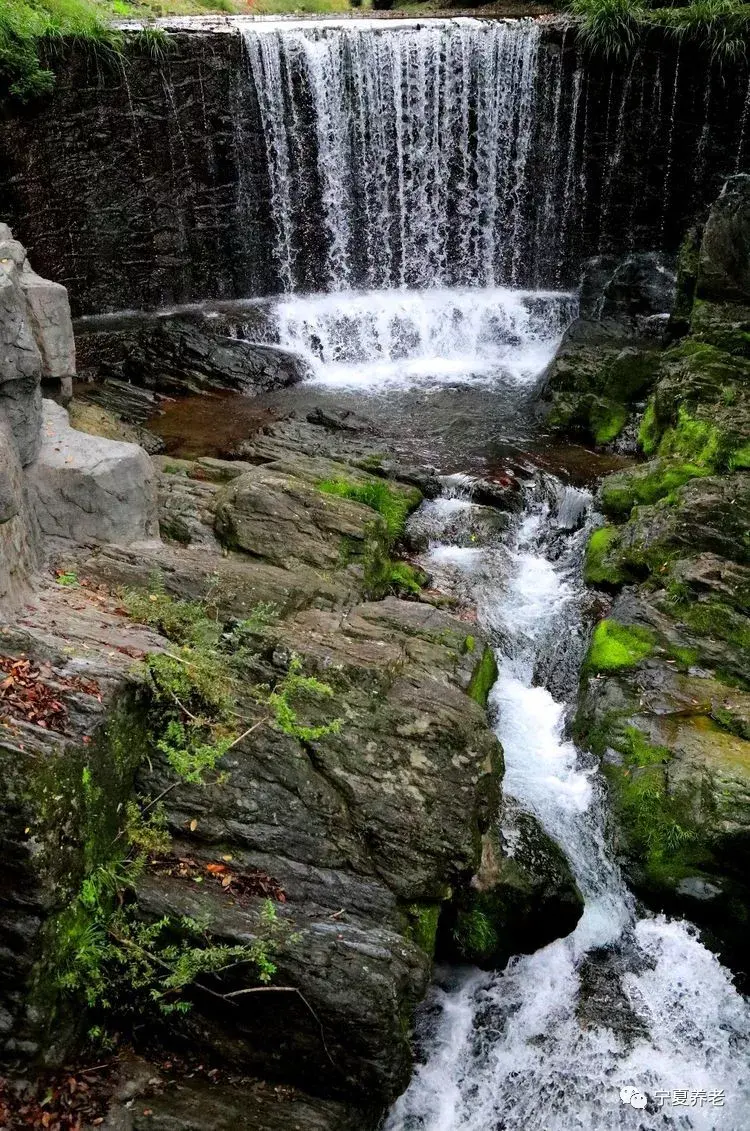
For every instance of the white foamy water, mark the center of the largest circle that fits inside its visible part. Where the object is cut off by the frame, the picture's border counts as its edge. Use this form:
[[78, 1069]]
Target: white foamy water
[[381, 340], [518, 1049]]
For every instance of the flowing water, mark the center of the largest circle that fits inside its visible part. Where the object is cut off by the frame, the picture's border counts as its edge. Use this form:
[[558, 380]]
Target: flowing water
[[530, 1047], [420, 174]]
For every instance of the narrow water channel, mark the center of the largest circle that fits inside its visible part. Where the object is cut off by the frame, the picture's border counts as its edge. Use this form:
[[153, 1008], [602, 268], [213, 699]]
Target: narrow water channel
[[627, 1001]]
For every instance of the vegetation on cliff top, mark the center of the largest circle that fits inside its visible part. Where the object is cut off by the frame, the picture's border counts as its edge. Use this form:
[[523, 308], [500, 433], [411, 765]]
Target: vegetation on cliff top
[[613, 27]]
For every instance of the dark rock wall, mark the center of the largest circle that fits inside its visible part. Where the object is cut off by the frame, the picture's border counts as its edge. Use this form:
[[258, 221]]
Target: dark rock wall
[[143, 183], [629, 154], [128, 186]]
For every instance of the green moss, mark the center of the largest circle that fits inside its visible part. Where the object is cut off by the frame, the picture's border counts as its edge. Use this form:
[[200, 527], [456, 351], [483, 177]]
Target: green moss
[[469, 644], [395, 504], [715, 619], [483, 678], [740, 458], [648, 432], [615, 645], [645, 485], [598, 568], [422, 925], [608, 421], [475, 936], [657, 825], [694, 440]]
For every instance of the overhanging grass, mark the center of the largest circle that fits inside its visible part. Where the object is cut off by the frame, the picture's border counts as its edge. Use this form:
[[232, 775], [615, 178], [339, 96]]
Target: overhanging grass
[[392, 503], [613, 27]]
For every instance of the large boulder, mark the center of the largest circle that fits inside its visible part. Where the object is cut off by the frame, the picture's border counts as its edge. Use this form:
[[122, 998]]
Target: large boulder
[[522, 897], [89, 489], [368, 830], [185, 352]]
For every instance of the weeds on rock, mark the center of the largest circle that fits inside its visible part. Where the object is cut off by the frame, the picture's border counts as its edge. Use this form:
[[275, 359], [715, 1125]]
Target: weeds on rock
[[108, 952]]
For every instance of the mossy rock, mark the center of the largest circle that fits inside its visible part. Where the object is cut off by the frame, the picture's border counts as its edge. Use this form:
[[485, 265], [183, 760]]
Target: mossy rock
[[517, 902], [645, 484], [724, 325], [700, 412], [615, 646], [602, 566], [484, 676], [592, 388]]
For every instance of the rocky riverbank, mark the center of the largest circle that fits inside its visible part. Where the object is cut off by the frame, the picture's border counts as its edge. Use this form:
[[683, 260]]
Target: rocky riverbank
[[250, 787], [664, 696]]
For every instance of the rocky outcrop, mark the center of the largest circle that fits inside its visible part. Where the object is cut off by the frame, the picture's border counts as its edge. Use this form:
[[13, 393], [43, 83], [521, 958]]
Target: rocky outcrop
[[194, 350], [608, 358], [87, 489], [665, 694]]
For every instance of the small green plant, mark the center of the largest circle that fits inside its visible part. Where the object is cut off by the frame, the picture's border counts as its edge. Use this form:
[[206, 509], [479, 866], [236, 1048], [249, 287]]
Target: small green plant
[[67, 579], [155, 43], [295, 690]]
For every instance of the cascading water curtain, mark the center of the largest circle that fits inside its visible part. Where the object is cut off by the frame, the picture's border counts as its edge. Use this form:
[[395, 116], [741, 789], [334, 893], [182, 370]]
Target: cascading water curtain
[[398, 156]]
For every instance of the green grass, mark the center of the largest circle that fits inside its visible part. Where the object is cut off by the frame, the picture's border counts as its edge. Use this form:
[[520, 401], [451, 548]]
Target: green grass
[[613, 28], [393, 504], [28, 27]]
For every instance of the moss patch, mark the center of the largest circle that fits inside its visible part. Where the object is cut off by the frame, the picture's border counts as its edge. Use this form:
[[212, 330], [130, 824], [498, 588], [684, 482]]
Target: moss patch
[[616, 645], [608, 421], [422, 925], [648, 432], [393, 503], [599, 568], [645, 485], [483, 678], [696, 441]]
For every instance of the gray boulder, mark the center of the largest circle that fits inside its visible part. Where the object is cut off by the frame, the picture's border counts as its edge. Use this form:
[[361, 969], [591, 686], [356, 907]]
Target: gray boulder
[[88, 489]]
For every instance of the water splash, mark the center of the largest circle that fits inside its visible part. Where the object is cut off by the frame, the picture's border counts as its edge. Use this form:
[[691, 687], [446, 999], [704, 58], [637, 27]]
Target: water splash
[[381, 340], [528, 1047]]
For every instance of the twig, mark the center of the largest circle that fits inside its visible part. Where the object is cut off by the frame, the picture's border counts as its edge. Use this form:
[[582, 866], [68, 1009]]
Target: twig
[[183, 708], [249, 730], [301, 996]]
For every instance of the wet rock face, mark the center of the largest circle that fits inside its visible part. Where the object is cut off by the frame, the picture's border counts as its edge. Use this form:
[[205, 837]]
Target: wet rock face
[[608, 357], [724, 262], [665, 693], [184, 354]]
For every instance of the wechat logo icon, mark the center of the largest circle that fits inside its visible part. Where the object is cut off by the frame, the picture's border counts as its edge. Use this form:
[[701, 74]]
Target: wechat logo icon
[[632, 1096]]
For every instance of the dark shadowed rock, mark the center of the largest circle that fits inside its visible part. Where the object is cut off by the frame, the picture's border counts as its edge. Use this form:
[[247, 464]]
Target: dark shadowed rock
[[724, 263]]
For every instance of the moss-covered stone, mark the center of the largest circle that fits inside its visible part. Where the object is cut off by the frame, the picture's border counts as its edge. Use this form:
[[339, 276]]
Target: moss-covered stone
[[483, 678], [615, 645], [646, 484], [724, 325], [422, 925], [601, 565]]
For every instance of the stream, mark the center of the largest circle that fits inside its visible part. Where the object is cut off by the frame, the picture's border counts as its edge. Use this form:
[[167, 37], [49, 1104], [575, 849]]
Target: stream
[[447, 181], [629, 1021]]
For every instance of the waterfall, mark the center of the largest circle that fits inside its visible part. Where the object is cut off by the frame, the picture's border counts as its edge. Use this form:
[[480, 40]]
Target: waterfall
[[627, 1005], [395, 339], [412, 142]]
